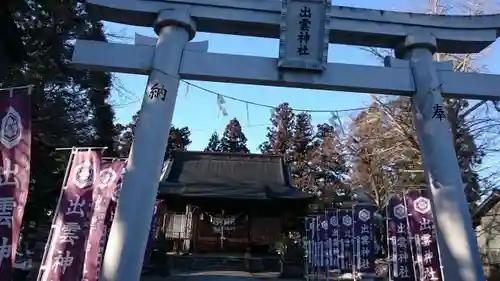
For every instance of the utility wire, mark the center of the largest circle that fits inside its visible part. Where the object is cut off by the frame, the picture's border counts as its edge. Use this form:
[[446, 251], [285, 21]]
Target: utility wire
[[270, 106], [256, 103], [220, 95]]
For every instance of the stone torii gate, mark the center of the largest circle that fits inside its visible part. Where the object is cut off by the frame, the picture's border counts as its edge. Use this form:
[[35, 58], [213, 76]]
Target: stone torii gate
[[304, 27]]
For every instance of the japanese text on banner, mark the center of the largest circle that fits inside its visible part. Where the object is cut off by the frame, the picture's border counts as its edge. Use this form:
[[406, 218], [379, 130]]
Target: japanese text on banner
[[15, 149], [363, 237], [421, 225], [109, 176], [399, 246], [64, 261]]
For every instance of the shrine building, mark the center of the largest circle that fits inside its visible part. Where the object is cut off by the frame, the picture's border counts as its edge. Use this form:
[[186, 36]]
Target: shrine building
[[228, 203]]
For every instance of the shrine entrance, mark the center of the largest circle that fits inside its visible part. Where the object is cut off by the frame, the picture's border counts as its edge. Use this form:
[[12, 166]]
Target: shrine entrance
[[231, 231], [305, 28], [229, 215]]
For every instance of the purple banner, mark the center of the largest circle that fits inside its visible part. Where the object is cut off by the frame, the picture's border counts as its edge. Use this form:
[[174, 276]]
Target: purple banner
[[64, 260], [421, 223], [110, 173], [322, 241], [312, 234], [333, 240], [346, 240], [15, 148], [340, 241], [110, 214], [364, 238], [399, 243], [309, 225], [323, 227], [311, 229], [152, 232], [317, 245]]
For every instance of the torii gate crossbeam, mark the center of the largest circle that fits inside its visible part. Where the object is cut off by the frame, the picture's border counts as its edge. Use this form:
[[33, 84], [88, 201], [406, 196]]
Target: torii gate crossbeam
[[347, 25], [197, 64], [301, 63]]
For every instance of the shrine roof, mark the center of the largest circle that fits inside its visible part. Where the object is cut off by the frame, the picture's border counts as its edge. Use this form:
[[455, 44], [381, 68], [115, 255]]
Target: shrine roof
[[228, 175]]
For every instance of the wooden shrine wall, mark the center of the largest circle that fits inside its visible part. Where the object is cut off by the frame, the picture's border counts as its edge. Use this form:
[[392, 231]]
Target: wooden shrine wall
[[196, 231], [265, 230], [247, 231], [235, 233]]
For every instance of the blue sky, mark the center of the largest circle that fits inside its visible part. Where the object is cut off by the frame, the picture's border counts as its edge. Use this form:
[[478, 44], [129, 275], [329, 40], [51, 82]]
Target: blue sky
[[198, 109]]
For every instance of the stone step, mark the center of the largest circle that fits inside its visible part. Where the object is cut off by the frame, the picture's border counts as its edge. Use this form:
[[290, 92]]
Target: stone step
[[219, 263]]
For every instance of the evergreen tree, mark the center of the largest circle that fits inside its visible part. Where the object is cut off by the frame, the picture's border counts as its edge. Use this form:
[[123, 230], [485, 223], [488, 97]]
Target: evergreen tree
[[279, 135], [302, 147], [328, 166], [99, 90], [12, 50], [68, 105], [315, 159], [213, 143], [124, 139], [234, 140], [178, 139]]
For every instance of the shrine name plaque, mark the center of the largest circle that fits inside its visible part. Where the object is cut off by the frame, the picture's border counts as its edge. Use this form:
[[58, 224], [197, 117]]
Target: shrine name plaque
[[304, 34]]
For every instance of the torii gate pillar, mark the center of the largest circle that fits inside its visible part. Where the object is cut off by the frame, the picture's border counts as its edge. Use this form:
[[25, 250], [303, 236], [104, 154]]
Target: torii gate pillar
[[456, 238], [129, 233]]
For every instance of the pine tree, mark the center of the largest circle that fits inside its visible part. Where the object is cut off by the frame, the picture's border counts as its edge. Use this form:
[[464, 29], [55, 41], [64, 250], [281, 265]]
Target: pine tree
[[69, 106], [234, 140], [178, 139], [12, 50], [213, 143], [279, 135], [328, 166], [99, 85], [302, 135], [302, 146]]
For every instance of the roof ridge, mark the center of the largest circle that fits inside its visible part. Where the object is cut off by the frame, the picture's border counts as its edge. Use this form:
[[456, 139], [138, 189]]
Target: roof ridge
[[199, 152], [202, 173]]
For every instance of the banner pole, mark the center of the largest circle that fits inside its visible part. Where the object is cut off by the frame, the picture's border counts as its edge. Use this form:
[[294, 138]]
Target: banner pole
[[416, 271], [354, 242], [16, 88], [49, 239], [81, 148], [316, 248], [305, 245], [388, 239], [325, 246], [114, 158]]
